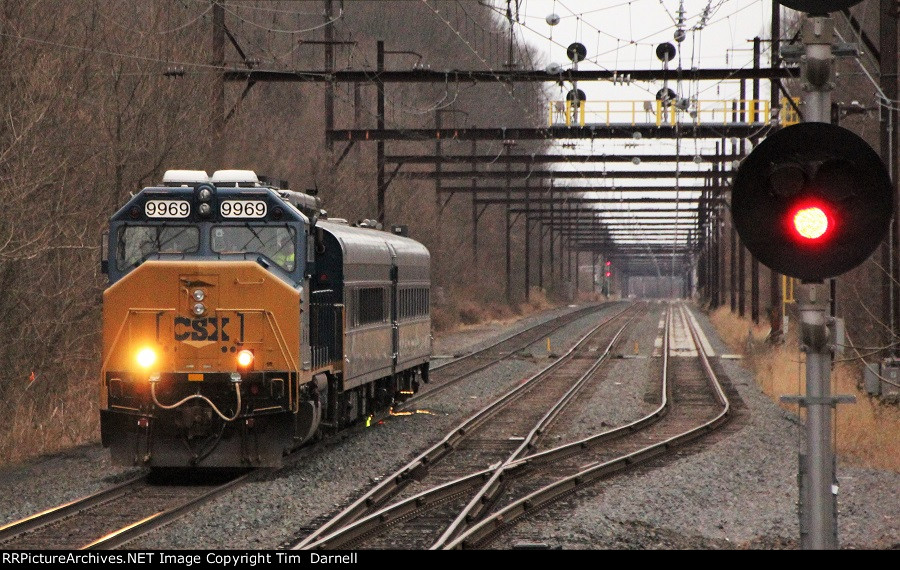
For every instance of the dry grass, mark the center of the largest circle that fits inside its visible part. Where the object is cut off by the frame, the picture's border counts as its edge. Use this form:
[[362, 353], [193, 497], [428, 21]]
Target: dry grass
[[37, 422], [594, 297], [463, 311], [867, 432]]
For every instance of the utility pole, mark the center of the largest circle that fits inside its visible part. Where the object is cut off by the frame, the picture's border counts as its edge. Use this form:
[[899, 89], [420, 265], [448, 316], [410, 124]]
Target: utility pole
[[438, 205], [474, 207], [508, 146], [774, 281], [329, 67], [380, 126], [754, 263], [889, 144], [552, 240], [217, 120], [527, 241]]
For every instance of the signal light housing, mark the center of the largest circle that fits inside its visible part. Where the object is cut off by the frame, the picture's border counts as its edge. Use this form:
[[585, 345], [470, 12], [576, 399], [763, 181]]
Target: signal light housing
[[812, 201]]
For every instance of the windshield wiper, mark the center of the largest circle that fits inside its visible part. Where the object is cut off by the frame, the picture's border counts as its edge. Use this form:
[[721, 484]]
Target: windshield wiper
[[255, 236], [160, 244]]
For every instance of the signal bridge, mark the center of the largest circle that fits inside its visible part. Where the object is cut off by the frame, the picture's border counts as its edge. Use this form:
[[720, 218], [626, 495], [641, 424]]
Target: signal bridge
[[671, 112]]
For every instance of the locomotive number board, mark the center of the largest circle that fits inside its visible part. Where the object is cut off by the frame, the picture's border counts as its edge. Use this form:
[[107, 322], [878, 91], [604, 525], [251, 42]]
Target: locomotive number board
[[167, 208], [243, 208]]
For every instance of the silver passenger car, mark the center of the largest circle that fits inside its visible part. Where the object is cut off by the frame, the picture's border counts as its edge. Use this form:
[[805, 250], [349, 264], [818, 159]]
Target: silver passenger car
[[382, 281]]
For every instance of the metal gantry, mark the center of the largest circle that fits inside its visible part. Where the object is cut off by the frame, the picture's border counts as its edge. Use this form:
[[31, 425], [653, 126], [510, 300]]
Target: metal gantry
[[556, 191]]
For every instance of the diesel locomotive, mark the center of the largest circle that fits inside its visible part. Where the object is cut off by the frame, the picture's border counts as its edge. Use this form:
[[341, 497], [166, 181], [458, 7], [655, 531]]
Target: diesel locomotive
[[239, 322]]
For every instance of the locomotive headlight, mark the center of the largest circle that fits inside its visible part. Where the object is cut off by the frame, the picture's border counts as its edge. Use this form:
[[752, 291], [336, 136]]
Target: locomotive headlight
[[244, 359], [146, 357], [204, 209], [204, 195], [198, 295], [199, 309]]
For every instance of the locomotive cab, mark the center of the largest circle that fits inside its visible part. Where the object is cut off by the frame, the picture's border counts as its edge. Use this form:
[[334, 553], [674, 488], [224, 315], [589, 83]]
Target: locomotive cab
[[202, 352], [237, 325]]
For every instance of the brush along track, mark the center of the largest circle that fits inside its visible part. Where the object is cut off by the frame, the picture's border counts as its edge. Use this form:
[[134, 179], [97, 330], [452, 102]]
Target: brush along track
[[450, 373], [697, 405], [114, 516], [506, 429]]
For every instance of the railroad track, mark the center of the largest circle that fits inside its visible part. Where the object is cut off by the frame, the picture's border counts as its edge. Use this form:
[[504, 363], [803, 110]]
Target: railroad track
[[694, 405], [114, 516], [454, 371], [111, 517], [499, 434]]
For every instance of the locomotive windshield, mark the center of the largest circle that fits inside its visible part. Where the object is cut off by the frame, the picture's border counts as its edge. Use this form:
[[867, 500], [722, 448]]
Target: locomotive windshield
[[274, 242], [136, 243]]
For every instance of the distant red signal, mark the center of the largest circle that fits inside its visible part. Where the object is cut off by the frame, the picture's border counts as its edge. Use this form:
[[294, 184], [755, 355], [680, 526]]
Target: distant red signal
[[608, 274], [608, 263]]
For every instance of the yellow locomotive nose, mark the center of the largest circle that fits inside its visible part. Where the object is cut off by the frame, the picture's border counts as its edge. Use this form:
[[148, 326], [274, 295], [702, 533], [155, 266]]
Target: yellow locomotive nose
[[146, 357]]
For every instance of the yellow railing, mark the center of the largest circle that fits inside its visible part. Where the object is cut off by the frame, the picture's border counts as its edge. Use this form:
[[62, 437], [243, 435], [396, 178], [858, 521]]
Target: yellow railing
[[787, 292], [787, 115], [745, 111]]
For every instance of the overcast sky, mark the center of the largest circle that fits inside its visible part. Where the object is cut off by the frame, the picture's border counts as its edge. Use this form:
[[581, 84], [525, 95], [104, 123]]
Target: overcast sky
[[622, 35]]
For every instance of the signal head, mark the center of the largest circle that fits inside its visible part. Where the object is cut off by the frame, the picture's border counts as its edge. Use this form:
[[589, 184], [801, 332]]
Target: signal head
[[812, 201]]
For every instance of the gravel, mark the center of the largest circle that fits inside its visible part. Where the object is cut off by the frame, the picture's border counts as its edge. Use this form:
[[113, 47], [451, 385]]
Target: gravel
[[628, 379], [738, 492], [48, 481], [475, 337]]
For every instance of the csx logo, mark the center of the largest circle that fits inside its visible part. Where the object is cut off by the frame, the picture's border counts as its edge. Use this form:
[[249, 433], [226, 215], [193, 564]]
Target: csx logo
[[207, 329]]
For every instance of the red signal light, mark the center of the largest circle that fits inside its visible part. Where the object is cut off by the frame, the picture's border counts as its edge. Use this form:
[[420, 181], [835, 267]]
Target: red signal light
[[608, 274], [608, 263], [811, 222]]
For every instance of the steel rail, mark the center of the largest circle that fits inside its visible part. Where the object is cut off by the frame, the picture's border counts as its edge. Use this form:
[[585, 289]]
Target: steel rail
[[367, 503], [16, 528], [87, 506], [481, 532], [429, 498], [556, 324], [143, 526], [489, 490]]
